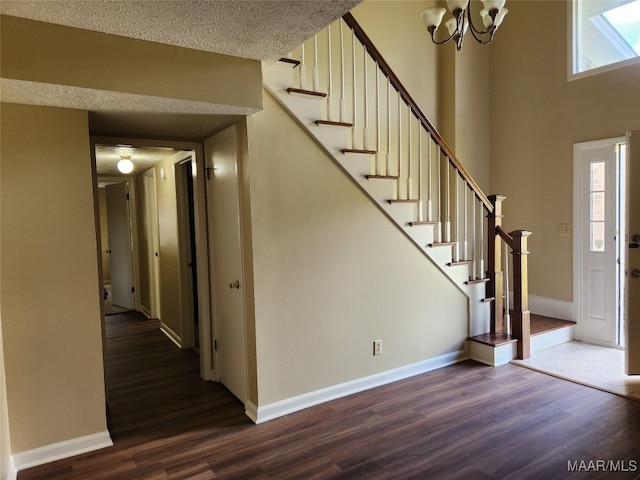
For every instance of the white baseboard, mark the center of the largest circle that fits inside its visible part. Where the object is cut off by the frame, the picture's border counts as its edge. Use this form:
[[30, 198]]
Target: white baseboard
[[294, 404], [549, 307], [60, 450], [145, 311], [173, 336]]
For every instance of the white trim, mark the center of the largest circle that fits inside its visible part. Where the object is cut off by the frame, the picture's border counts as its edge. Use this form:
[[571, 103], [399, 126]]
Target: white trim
[[146, 312], [12, 471], [492, 355], [60, 450], [173, 336], [251, 411], [294, 404], [552, 338]]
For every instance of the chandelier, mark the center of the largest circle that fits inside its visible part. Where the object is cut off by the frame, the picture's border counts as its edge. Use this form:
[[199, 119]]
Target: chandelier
[[492, 15]]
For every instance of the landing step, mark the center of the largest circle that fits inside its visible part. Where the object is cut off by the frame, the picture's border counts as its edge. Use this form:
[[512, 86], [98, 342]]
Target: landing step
[[382, 177], [293, 62], [306, 93], [541, 324], [356, 151], [329, 123], [494, 339]]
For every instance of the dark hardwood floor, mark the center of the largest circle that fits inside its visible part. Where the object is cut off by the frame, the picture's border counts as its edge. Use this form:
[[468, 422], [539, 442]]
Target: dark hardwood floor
[[465, 421]]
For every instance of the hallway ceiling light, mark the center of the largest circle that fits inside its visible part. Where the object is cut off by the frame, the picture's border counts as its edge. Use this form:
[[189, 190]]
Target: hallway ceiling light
[[492, 15], [125, 165]]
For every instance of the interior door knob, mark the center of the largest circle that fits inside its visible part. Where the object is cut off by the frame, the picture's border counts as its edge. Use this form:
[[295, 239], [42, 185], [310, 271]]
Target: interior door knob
[[635, 273], [235, 284]]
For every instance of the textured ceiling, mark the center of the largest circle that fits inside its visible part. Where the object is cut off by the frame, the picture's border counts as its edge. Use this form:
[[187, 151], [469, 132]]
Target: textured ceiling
[[143, 158], [257, 29]]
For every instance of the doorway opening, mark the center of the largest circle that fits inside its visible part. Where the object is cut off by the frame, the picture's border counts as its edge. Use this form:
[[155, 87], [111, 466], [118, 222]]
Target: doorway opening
[[599, 241]]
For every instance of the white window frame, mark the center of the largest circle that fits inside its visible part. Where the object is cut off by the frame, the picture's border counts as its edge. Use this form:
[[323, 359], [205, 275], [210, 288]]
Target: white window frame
[[573, 41]]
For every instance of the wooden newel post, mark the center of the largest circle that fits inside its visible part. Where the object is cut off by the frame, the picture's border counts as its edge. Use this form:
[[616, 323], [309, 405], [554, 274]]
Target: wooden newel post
[[495, 285], [520, 315]]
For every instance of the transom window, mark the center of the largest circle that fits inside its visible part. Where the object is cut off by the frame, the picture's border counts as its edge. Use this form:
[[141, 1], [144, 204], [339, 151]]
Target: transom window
[[605, 35]]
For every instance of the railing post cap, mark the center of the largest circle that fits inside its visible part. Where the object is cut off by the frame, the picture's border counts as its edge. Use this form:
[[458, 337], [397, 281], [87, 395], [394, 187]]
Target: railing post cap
[[497, 198], [520, 233]]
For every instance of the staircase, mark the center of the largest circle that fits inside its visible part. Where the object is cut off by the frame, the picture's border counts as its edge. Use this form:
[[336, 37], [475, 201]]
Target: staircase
[[342, 92]]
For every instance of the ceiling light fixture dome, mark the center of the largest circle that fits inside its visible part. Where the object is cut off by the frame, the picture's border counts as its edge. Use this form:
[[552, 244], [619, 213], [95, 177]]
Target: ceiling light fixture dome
[[125, 165]]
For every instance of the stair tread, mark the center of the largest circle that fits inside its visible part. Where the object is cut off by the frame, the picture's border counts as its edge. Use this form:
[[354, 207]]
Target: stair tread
[[355, 150], [488, 300], [293, 62], [541, 324], [442, 244], [494, 339], [382, 177], [306, 92], [404, 200], [422, 222], [477, 280], [460, 262], [331, 123]]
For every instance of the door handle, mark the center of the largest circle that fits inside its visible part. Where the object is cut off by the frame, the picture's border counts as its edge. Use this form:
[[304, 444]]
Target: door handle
[[235, 284], [635, 273]]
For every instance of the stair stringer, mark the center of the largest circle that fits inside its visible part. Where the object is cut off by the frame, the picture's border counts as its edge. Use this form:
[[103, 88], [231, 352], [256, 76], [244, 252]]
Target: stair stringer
[[306, 111]]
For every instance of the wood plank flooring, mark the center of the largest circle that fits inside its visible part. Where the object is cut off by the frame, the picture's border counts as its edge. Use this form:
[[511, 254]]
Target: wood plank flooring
[[466, 421]]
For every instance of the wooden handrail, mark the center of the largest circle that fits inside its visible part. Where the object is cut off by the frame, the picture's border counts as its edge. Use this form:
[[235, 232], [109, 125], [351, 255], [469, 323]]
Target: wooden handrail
[[508, 239], [395, 82]]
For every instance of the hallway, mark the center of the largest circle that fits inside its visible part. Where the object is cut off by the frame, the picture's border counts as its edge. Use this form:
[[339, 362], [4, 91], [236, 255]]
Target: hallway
[[463, 421]]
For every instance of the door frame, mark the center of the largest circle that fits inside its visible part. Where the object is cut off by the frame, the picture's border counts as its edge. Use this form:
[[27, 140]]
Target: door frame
[[204, 306], [151, 203], [578, 240]]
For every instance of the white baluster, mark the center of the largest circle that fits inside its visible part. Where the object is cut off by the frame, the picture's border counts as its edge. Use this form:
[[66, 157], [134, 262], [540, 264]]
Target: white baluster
[[456, 221], [355, 103], [481, 273], [330, 79], [399, 142], [388, 159], [447, 218], [429, 180], [365, 130], [465, 244], [303, 69], [409, 169], [420, 179], [474, 239], [342, 87], [316, 71], [439, 197], [378, 154]]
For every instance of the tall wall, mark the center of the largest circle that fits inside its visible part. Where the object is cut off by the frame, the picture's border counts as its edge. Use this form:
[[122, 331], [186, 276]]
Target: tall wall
[[536, 117], [332, 274], [51, 321]]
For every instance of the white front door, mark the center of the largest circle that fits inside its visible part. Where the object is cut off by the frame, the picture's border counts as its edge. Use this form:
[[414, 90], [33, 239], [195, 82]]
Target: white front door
[[120, 246], [225, 252], [632, 320], [596, 241]]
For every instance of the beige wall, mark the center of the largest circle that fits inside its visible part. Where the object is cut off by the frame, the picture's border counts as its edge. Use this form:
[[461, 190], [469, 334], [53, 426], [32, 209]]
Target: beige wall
[[53, 356], [169, 255], [59, 55], [536, 117], [332, 274]]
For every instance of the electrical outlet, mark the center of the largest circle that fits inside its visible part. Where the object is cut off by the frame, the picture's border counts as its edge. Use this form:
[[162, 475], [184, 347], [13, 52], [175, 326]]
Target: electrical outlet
[[564, 229], [377, 347]]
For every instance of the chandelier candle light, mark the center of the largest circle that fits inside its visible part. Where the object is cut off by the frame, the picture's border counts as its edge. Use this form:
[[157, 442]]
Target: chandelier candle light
[[492, 15]]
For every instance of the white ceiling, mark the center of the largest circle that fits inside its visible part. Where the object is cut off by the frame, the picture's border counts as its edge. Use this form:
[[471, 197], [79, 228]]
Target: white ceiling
[[257, 29]]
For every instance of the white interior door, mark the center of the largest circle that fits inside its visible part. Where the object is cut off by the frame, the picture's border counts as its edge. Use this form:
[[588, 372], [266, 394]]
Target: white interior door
[[225, 250], [120, 258], [632, 297], [596, 242]]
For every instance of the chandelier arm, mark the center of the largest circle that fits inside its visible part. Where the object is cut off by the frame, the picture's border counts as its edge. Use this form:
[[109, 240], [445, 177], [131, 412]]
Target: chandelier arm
[[442, 42], [480, 39], [472, 26]]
